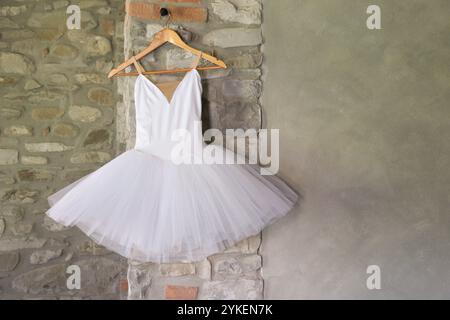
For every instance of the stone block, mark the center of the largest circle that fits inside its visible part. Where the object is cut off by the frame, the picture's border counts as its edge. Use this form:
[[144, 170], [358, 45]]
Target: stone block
[[241, 289], [18, 130], [91, 78], [90, 157], [12, 213], [33, 160], [12, 11], [10, 113], [64, 52], [9, 261], [97, 137], [46, 113], [44, 256], [203, 269], [101, 96], [34, 174], [42, 281], [19, 196], [21, 229], [84, 113], [9, 156], [233, 37], [7, 23], [64, 130], [239, 11], [47, 147], [31, 84], [12, 244], [15, 63], [94, 45], [235, 89], [52, 225], [235, 266], [140, 278]]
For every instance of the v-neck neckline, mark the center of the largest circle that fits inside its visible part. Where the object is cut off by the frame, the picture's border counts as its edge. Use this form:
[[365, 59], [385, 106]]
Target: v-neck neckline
[[174, 92]]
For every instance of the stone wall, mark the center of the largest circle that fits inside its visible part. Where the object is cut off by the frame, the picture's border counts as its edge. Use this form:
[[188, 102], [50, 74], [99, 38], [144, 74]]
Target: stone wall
[[230, 30], [57, 123]]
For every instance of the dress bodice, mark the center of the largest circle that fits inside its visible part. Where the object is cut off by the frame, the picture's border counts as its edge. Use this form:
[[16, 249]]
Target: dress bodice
[[159, 121]]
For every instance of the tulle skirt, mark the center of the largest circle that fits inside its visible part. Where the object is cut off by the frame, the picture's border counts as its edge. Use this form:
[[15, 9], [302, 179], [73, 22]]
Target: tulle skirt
[[153, 210]]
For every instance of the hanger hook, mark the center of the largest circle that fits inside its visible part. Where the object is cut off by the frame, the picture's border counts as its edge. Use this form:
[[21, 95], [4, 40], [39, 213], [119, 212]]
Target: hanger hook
[[164, 12]]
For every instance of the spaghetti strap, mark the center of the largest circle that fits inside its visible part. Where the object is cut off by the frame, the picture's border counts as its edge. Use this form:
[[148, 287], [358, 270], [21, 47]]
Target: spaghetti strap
[[137, 65], [197, 61]]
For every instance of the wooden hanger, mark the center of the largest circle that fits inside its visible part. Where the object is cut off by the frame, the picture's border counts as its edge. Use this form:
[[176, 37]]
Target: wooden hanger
[[160, 38]]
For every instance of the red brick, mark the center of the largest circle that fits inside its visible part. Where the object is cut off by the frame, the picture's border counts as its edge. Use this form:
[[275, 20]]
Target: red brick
[[123, 285], [181, 293], [150, 11], [188, 14], [181, 1]]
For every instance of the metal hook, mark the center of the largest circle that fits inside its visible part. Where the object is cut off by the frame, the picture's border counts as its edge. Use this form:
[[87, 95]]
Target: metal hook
[[164, 12]]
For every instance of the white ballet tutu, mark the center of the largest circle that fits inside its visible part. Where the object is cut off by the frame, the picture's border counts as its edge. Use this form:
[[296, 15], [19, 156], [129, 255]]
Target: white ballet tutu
[[146, 207], [149, 209]]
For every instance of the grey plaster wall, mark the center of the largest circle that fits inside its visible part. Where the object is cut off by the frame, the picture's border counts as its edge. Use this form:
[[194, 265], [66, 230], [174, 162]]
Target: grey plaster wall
[[364, 119]]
